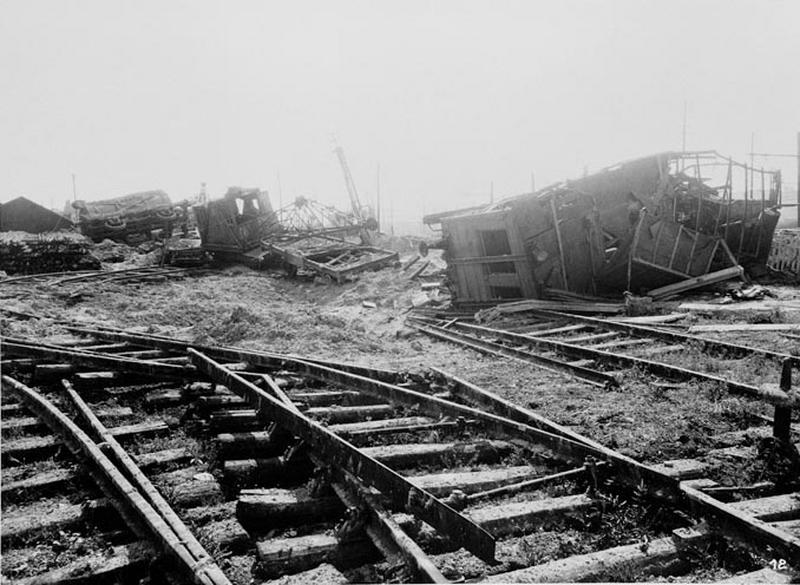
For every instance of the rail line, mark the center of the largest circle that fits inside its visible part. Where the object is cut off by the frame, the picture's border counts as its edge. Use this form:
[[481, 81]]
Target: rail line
[[586, 347], [280, 465]]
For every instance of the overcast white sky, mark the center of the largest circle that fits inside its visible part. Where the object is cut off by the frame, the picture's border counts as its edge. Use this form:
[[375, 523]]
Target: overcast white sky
[[447, 96]]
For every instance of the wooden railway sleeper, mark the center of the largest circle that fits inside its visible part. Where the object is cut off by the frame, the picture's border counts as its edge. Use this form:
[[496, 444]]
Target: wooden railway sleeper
[[132, 505], [341, 454]]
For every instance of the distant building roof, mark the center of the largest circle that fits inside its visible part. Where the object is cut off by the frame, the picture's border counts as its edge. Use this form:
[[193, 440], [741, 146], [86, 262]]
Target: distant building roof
[[22, 214]]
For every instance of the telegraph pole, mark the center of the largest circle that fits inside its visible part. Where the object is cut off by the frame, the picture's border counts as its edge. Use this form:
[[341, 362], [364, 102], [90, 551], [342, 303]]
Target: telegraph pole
[[74, 189], [378, 198], [683, 141], [280, 198]]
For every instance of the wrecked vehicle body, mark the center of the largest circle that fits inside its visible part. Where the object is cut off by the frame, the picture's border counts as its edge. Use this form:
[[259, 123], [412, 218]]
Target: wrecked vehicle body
[[232, 227], [123, 218], [242, 227], [657, 222]]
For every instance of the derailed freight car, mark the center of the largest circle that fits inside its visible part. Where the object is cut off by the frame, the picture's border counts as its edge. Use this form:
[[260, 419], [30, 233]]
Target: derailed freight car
[[637, 226]]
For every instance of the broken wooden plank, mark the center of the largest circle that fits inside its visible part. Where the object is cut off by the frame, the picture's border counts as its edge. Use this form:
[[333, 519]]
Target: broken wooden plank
[[263, 509], [696, 282], [755, 327], [661, 555], [410, 455], [278, 556], [469, 482], [419, 270], [351, 414]]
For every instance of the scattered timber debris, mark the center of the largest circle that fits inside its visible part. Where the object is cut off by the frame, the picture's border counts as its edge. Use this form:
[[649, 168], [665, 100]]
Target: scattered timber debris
[[327, 256], [305, 236], [130, 218], [24, 253], [490, 314], [669, 222]]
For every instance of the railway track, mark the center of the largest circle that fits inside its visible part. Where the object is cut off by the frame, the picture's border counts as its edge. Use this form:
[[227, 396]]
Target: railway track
[[76, 283], [602, 352], [248, 466]]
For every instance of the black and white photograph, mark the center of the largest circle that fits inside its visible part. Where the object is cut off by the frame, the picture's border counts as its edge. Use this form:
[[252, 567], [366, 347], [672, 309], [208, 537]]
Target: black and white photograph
[[431, 291]]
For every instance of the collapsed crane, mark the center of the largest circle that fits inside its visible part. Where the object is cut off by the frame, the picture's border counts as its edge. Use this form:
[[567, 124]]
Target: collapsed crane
[[362, 213]]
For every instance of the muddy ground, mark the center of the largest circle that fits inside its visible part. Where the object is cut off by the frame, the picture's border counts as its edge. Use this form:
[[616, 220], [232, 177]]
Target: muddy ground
[[237, 306]]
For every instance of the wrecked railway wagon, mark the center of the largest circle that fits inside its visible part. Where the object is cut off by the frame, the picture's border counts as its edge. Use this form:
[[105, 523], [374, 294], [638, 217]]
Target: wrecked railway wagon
[[122, 218], [656, 225], [232, 227]]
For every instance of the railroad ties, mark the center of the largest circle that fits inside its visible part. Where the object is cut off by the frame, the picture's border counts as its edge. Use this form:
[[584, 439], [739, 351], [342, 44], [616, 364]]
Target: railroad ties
[[599, 351], [120, 448]]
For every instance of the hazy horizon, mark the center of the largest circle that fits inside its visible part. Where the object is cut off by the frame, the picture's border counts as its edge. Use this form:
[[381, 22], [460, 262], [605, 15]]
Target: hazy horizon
[[449, 98]]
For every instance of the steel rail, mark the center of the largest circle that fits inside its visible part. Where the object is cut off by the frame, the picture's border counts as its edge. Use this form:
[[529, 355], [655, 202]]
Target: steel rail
[[337, 452], [744, 527], [193, 553], [124, 496], [657, 368], [646, 331], [382, 528], [571, 450], [180, 346], [592, 376], [92, 358]]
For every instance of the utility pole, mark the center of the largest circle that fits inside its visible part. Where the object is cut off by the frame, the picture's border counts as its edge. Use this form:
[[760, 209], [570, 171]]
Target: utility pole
[[74, 189], [683, 141], [378, 198], [280, 198], [752, 149]]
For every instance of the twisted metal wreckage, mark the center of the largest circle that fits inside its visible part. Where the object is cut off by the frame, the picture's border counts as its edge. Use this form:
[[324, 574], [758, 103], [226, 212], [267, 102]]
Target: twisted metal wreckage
[[304, 235], [658, 225]]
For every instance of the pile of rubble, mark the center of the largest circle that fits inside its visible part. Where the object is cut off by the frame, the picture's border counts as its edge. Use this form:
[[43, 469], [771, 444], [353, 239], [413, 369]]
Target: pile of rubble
[[305, 237], [24, 253]]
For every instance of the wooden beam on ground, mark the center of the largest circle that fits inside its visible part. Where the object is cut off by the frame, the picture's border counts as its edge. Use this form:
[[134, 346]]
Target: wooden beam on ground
[[601, 565], [754, 327], [696, 282]]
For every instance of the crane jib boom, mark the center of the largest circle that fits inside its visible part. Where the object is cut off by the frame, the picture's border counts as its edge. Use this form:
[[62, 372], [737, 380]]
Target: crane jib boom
[[355, 202]]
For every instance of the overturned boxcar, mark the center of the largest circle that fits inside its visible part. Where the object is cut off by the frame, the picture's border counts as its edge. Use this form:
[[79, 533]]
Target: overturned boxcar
[[123, 218], [637, 226]]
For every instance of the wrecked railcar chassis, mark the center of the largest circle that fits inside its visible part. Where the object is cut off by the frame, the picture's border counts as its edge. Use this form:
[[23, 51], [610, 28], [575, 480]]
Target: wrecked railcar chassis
[[639, 225], [129, 219]]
